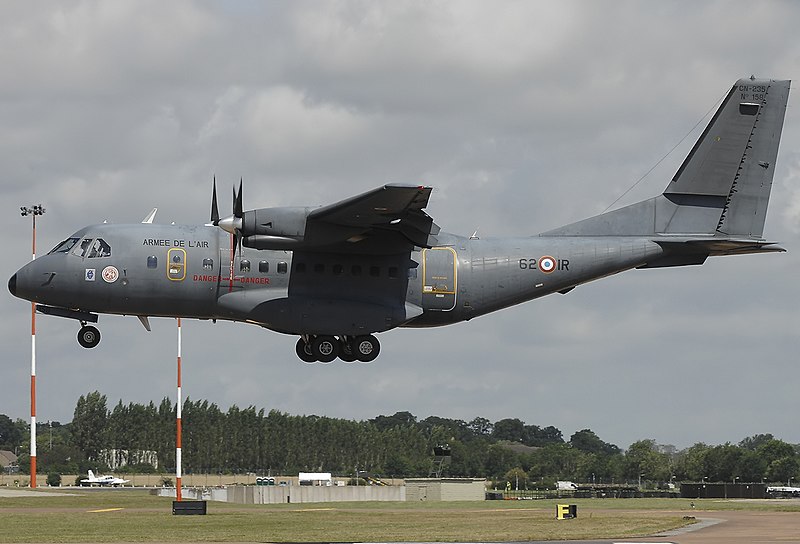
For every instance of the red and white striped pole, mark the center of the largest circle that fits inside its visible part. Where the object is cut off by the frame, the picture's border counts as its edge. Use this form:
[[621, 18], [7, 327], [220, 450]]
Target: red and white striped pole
[[33, 211], [33, 370], [178, 470]]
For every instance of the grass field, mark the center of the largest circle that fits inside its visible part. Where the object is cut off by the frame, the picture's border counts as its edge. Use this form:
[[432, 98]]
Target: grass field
[[137, 516]]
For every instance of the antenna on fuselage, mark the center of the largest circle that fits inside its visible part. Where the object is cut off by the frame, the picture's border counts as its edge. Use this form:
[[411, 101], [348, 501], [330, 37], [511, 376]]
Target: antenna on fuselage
[[150, 216]]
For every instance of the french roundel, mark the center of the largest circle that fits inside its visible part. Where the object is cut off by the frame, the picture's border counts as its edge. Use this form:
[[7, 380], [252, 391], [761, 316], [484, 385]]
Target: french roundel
[[547, 264]]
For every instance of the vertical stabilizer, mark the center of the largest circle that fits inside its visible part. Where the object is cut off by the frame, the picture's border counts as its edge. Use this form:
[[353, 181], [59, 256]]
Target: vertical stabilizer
[[722, 188], [733, 162]]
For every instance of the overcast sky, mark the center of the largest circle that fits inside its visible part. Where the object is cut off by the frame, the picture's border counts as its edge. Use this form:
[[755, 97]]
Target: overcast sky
[[523, 116]]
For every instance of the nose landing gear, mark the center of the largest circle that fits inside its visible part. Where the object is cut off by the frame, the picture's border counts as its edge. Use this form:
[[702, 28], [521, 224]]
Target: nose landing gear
[[88, 336]]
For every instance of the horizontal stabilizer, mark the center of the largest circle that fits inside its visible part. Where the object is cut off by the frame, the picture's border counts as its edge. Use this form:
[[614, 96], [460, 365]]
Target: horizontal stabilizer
[[721, 246], [695, 251]]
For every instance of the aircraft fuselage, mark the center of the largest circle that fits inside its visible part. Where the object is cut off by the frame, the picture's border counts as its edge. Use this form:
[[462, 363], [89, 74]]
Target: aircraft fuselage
[[174, 270]]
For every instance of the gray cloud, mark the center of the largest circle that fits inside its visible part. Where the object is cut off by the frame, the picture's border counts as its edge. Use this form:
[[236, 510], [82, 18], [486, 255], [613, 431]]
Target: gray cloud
[[522, 115]]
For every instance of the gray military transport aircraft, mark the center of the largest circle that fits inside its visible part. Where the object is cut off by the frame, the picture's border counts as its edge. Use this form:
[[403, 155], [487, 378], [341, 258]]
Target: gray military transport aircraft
[[337, 274]]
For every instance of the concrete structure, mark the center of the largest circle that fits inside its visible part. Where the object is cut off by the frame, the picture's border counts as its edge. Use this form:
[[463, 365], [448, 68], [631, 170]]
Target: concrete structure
[[445, 489], [291, 494]]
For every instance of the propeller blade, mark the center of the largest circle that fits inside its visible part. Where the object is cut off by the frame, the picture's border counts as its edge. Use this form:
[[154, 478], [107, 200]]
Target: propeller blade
[[237, 207], [214, 209]]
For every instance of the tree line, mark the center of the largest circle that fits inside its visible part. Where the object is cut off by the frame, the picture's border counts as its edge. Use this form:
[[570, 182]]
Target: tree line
[[239, 440]]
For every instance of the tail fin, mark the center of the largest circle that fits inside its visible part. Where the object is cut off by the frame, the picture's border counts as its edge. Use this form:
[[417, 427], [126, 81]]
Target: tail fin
[[733, 162], [91, 475], [722, 188]]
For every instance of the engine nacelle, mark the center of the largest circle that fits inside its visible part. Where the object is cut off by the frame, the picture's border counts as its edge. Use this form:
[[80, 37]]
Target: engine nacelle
[[275, 222]]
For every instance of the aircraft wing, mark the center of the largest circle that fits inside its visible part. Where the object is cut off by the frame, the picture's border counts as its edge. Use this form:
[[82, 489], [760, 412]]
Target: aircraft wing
[[390, 216]]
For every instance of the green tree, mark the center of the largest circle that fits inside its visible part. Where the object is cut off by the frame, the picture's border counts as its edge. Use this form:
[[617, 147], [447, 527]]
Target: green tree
[[480, 426], [509, 429], [517, 478], [691, 463], [772, 450], [751, 467], [643, 460], [533, 435], [722, 462], [754, 442], [398, 419], [89, 424], [587, 441], [11, 434], [781, 470]]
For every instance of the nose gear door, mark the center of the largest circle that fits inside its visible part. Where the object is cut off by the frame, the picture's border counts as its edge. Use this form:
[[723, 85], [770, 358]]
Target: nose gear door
[[439, 278]]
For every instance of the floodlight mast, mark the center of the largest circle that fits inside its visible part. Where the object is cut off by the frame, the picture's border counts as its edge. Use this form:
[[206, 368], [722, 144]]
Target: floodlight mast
[[33, 211]]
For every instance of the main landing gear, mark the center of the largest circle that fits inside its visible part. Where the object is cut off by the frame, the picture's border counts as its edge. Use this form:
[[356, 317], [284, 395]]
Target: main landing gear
[[88, 336], [324, 349]]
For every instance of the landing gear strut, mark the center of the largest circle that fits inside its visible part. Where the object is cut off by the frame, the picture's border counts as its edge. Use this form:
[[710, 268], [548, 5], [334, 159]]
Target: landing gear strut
[[324, 348], [88, 336]]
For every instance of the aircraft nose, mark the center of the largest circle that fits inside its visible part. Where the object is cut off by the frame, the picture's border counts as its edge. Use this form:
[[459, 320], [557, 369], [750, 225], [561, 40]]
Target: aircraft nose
[[12, 285]]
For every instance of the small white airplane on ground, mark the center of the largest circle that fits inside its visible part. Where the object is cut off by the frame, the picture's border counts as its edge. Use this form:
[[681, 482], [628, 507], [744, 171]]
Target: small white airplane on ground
[[103, 480]]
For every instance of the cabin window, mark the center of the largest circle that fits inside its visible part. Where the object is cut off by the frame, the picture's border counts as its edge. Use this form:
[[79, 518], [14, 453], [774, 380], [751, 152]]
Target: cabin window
[[208, 264], [244, 265], [356, 270], [152, 261], [393, 272], [263, 267], [337, 269], [282, 267], [65, 246], [300, 268], [319, 268], [374, 271]]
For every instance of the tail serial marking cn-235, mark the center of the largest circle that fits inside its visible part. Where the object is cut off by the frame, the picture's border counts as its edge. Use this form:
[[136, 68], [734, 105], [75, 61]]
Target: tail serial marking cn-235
[[337, 274]]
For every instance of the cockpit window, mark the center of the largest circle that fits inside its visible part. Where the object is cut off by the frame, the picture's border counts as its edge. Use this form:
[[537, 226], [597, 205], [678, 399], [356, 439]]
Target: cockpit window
[[92, 248], [82, 248], [64, 246], [100, 249]]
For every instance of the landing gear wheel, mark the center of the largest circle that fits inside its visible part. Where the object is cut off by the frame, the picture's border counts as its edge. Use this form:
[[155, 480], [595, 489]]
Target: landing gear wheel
[[88, 336], [346, 353], [366, 348], [325, 348], [303, 350]]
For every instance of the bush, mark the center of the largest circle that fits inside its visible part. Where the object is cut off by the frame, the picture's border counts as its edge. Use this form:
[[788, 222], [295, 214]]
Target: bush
[[54, 479]]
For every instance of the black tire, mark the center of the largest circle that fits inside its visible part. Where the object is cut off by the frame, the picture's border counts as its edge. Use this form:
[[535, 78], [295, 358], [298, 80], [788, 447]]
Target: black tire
[[346, 353], [304, 352], [366, 348], [325, 348], [88, 336]]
